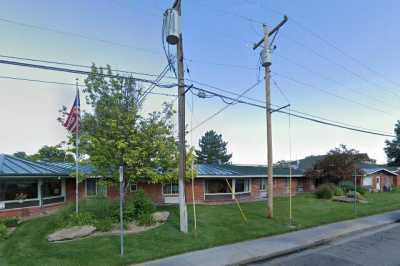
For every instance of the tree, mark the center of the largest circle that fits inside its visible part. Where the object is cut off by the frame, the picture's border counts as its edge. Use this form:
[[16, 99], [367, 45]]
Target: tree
[[52, 154], [338, 164], [212, 149], [392, 148], [21, 154], [114, 134]]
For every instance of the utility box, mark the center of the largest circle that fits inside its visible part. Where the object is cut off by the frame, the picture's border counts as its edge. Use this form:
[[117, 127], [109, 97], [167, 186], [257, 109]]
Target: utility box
[[172, 26], [266, 57]]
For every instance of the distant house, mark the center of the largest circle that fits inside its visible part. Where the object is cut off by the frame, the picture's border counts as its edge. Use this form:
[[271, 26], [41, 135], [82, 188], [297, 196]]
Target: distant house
[[377, 177]]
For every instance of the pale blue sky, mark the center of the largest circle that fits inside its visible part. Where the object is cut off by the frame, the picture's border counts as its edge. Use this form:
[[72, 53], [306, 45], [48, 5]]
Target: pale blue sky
[[215, 32]]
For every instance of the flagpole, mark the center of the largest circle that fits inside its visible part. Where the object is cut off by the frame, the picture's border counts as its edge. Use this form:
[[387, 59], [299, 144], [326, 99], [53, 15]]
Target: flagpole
[[77, 160]]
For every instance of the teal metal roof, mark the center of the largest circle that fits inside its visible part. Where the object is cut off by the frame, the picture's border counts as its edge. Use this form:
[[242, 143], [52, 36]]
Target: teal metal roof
[[14, 166], [69, 167], [232, 170]]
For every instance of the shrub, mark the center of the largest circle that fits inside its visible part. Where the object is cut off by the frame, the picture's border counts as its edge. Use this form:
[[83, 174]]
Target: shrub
[[99, 207], [325, 191], [104, 225], [346, 185], [339, 191], [3, 231], [395, 190], [81, 218], [9, 222], [146, 219], [142, 205], [362, 190]]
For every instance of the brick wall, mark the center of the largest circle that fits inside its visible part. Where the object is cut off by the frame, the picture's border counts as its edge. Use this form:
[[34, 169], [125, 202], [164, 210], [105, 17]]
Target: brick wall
[[70, 189], [198, 191], [30, 211]]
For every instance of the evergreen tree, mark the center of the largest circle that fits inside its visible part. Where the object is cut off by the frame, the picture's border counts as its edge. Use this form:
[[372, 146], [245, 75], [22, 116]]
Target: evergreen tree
[[212, 149], [392, 148]]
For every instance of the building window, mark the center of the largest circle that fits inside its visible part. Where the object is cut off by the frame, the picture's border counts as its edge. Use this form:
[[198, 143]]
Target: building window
[[91, 187], [263, 184], [242, 185], [133, 187], [51, 188], [21, 190], [171, 189], [300, 186], [218, 186]]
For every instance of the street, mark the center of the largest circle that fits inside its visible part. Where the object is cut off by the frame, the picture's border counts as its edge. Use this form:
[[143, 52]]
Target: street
[[381, 247]]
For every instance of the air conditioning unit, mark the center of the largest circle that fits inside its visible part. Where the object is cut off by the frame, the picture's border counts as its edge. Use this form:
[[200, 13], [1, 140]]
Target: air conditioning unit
[[172, 26]]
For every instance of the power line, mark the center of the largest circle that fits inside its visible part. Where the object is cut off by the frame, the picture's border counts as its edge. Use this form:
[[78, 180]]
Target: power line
[[79, 35], [341, 66], [294, 115], [69, 84], [329, 43], [80, 72], [263, 103], [82, 36], [332, 94], [325, 77], [225, 107], [73, 65]]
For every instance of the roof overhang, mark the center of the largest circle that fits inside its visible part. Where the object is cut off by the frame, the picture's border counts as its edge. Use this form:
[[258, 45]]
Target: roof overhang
[[245, 176], [382, 170]]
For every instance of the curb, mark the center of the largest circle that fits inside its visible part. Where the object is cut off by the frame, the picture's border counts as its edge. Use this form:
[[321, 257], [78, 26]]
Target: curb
[[315, 244]]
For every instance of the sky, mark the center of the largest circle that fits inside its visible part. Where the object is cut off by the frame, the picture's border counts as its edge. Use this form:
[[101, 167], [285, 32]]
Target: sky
[[334, 59]]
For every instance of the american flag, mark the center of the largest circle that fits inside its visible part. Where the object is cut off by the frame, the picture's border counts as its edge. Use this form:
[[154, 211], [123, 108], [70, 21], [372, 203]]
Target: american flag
[[73, 119]]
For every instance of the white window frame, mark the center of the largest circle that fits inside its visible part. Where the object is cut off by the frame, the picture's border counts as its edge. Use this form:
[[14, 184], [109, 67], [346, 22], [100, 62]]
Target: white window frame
[[170, 194], [233, 193], [300, 188], [130, 187], [265, 181], [86, 186]]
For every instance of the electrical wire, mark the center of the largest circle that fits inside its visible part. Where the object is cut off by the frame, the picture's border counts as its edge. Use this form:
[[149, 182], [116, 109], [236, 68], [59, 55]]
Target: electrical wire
[[80, 72], [332, 94], [226, 106], [274, 105], [73, 65], [297, 115], [339, 65], [69, 84]]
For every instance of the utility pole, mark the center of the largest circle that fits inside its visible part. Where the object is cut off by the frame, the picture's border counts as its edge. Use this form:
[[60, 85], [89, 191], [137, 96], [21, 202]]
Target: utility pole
[[181, 128], [266, 61]]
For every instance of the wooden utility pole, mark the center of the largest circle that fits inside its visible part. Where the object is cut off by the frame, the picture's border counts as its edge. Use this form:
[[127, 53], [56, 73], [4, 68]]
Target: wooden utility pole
[[266, 62], [181, 129]]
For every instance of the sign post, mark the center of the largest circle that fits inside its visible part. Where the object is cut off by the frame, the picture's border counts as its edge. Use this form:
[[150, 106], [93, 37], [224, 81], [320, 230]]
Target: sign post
[[121, 202]]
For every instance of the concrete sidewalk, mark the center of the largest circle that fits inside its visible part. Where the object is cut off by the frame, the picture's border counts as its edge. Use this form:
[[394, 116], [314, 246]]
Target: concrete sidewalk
[[269, 247]]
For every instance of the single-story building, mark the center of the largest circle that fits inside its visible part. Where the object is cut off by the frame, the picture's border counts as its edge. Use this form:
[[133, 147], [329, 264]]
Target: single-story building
[[378, 177], [31, 187]]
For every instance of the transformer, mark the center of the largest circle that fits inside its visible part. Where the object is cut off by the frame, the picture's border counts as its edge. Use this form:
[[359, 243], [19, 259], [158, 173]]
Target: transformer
[[266, 57], [172, 26]]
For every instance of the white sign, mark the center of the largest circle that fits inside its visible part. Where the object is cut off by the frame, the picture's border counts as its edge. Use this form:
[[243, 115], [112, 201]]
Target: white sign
[[121, 174], [2, 205]]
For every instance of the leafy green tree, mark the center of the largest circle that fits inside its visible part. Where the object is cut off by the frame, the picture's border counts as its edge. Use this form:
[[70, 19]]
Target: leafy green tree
[[392, 148], [337, 165], [115, 134], [52, 154], [21, 154], [212, 149]]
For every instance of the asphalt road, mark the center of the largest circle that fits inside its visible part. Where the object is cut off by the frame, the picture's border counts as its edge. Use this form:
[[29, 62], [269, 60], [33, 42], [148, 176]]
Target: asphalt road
[[381, 247]]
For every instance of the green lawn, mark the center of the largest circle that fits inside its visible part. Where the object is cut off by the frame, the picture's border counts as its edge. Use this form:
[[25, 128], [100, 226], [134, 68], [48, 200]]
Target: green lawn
[[217, 225]]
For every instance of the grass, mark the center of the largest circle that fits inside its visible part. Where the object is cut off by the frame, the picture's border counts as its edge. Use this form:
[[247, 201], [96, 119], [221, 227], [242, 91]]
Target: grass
[[217, 225]]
